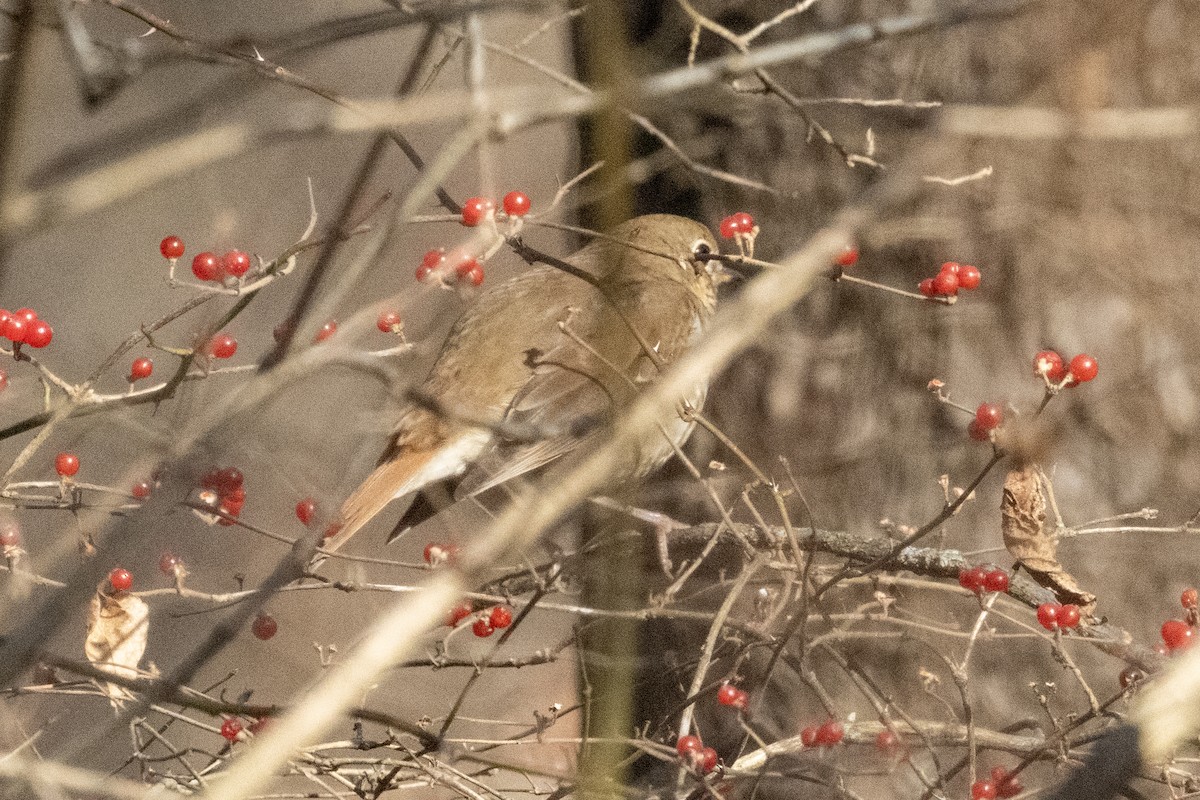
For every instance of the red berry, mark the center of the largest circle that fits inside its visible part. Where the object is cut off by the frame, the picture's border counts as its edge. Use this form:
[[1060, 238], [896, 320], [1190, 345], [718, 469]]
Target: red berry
[[1006, 785], [989, 416], [945, 284], [969, 277], [1190, 598], [886, 741], [38, 334], [10, 533], [516, 204], [501, 617], [925, 287], [66, 464], [28, 314], [727, 694], [830, 733], [140, 368], [1068, 616], [222, 346], [808, 736], [1083, 368], [388, 322], [206, 266], [978, 433], [167, 562], [1050, 364], [475, 210], [983, 790], [474, 276], [13, 329], [333, 530], [327, 330], [230, 728], [141, 490], [744, 221], [686, 745], [1177, 634], [120, 579], [953, 267], [1047, 615], [235, 263], [848, 257], [996, 581], [458, 613], [730, 227], [264, 627], [706, 760], [306, 509], [229, 480], [1129, 676], [482, 628], [171, 247], [429, 262], [972, 579], [466, 266]]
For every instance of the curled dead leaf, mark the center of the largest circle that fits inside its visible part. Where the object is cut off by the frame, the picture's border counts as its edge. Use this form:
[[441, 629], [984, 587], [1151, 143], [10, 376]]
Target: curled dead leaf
[[1023, 524], [117, 629]]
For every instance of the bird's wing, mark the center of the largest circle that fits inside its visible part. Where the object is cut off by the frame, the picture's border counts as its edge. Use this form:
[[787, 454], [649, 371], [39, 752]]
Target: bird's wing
[[595, 368]]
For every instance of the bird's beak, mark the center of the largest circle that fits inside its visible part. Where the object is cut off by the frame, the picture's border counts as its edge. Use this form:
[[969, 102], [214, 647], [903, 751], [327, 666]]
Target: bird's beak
[[724, 268]]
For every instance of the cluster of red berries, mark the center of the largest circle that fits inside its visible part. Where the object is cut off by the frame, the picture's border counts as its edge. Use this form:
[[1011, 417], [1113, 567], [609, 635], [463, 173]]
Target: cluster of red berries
[[739, 224], [208, 266], [1000, 784], [120, 579], [23, 327], [1050, 366], [467, 269], [695, 755], [437, 554], [66, 465], [988, 417], [952, 277], [477, 209], [983, 579], [730, 695], [828, 734], [1053, 616], [224, 489], [498, 618]]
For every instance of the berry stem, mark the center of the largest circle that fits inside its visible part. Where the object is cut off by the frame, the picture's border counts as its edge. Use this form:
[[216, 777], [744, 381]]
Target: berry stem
[[840, 276]]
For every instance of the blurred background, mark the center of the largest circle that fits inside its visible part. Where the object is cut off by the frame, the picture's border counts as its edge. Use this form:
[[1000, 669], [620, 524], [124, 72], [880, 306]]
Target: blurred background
[[1053, 146]]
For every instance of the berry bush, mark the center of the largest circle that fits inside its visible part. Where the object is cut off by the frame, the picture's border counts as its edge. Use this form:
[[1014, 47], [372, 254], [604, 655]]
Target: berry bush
[[931, 537]]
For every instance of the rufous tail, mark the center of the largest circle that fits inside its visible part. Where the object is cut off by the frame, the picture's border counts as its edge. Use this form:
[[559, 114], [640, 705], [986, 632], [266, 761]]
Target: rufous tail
[[395, 478]]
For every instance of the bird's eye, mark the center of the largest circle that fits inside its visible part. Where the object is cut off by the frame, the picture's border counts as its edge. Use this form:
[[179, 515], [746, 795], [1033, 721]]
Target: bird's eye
[[701, 248]]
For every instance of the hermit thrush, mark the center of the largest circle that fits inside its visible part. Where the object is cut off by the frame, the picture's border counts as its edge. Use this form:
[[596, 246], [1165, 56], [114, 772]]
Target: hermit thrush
[[555, 354]]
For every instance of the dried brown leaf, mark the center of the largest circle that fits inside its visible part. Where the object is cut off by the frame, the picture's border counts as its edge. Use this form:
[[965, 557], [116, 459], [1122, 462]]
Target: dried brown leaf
[[116, 637], [1023, 523]]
